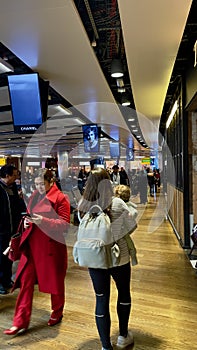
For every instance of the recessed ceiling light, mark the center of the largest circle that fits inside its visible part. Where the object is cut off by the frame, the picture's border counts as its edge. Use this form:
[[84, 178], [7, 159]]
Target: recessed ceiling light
[[60, 109], [126, 103], [116, 68], [122, 89]]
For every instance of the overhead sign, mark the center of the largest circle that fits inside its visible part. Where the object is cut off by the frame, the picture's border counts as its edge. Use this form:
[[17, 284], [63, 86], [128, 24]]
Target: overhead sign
[[146, 160], [2, 161], [33, 163]]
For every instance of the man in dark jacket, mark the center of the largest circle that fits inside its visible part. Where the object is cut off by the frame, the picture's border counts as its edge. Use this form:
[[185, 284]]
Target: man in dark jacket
[[119, 177], [10, 215]]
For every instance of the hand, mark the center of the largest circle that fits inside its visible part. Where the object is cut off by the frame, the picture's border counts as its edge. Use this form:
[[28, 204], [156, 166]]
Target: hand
[[35, 219], [26, 223]]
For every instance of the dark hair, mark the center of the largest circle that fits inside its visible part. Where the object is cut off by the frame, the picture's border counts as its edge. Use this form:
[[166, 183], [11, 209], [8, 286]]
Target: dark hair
[[7, 170], [98, 190], [46, 174]]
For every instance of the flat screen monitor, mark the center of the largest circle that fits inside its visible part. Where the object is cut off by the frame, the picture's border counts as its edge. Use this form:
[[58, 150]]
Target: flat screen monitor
[[29, 101], [91, 138], [129, 154], [114, 149], [97, 163]]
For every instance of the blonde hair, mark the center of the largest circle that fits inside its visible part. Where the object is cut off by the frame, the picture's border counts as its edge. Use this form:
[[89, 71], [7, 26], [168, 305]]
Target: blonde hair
[[123, 192]]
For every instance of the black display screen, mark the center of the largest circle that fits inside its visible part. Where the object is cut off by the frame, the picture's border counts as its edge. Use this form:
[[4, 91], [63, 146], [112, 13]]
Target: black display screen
[[129, 154], [91, 138], [114, 149], [26, 103]]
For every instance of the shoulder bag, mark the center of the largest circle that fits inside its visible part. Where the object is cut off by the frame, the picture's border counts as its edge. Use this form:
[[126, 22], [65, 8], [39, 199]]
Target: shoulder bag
[[13, 249]]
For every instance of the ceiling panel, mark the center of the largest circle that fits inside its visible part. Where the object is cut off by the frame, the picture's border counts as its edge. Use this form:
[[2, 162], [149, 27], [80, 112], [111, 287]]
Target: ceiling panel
[[50, 38], [152, 35]]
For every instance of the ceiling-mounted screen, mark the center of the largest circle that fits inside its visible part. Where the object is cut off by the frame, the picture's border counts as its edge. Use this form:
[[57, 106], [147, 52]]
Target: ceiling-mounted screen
[[91, 138], [114, 149], [29, 101], [129, 154]]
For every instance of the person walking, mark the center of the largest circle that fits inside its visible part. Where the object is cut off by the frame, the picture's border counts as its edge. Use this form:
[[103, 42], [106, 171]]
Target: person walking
[[82, 178], [115, 175], [10, 216], [124, 179], [143, 184], [99, 191], [43, 252], [151, 182]]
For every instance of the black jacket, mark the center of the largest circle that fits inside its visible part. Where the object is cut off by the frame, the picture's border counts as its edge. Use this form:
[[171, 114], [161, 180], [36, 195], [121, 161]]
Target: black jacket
[[10, 210], [124, 180]]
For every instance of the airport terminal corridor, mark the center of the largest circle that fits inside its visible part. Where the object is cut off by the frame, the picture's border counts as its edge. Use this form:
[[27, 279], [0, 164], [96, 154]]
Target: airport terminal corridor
[[164, 298]]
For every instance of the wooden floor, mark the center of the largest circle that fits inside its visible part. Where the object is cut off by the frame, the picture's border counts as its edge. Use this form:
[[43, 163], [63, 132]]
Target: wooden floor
[[164, 298]]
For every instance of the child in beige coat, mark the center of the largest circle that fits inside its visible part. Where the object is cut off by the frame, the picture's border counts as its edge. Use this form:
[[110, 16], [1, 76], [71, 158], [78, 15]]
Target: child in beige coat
[[124, 192]]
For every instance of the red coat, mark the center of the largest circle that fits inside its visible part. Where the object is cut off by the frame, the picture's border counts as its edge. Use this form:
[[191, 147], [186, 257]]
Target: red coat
[[46, 242]]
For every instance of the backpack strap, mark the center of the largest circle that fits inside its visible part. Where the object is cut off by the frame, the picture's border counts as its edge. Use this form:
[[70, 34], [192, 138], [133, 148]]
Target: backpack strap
[[90, 211], [78, 215]]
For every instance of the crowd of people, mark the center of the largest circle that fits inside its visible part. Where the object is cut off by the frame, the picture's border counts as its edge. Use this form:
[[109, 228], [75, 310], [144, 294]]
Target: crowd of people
[[43, 248], [142, 179], [137, 179]]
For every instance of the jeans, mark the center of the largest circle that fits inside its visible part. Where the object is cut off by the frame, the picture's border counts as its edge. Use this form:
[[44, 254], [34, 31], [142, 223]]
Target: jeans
[[101, 283]]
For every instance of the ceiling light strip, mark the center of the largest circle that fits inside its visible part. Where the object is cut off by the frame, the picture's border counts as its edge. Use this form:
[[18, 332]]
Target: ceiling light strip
[[172, 113]]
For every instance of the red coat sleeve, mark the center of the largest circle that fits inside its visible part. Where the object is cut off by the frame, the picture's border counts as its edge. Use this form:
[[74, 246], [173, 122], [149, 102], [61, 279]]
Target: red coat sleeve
[[58, 222]]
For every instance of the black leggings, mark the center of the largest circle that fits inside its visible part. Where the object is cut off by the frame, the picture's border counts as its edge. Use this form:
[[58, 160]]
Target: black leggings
[[101, 283]]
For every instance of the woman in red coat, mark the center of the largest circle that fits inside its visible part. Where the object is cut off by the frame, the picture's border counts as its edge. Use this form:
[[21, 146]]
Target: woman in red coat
[[44, 253]]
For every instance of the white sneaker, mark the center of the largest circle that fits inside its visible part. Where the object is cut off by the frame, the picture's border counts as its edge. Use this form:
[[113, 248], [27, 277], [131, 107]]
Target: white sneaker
[[122, 342]]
